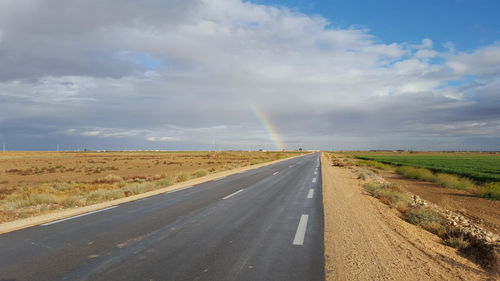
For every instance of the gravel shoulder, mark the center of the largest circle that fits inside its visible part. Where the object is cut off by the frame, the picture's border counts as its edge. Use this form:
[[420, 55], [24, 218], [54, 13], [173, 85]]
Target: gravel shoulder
[[366, 240]]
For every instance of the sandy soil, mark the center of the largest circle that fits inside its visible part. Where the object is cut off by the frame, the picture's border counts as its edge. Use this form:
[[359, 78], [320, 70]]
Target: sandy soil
[[483, 212], [366, 240]]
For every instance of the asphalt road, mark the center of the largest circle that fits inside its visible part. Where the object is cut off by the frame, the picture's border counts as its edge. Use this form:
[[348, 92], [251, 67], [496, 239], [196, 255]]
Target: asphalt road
[[264, 224]]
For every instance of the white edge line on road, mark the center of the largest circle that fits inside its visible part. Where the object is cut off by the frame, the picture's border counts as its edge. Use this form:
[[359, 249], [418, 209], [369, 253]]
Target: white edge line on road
[[310, 194], [276, 173], [314, 180], [74, 217], [232, 194], [301, 231]]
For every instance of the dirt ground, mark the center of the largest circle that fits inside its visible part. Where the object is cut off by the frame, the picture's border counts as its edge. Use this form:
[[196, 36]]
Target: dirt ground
[[367, 240], [483, 212], [32, 168]]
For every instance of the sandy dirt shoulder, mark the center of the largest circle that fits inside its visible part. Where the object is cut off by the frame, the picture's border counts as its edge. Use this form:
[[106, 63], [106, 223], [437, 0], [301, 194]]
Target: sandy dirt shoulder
[[366, 240]]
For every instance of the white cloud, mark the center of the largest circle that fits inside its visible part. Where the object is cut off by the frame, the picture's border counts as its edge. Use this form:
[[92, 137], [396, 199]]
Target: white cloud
[[189, 71]]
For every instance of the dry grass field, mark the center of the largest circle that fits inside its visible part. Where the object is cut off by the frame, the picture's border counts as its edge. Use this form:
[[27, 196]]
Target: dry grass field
[[33, 183]]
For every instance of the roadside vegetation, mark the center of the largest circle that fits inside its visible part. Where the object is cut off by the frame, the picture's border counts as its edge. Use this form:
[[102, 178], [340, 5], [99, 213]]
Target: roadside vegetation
[[453, 229], [423, 216], [28, 191], [411, 167]]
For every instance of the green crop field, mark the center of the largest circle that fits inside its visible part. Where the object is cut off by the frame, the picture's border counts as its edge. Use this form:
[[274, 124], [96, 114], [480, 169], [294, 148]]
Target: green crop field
[[479, 168]]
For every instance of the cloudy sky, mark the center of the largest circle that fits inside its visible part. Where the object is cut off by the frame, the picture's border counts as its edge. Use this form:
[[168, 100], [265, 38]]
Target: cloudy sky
[[232, 74]]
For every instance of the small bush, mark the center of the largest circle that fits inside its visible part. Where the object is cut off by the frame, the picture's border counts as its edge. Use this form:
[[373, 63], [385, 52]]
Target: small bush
[[458, 242], [416, 173], [182, 177], [136, 188], [200, 173], [446, 180], [490, 190], [165, 182], [389, 194], [374, 164], [453, 181], [424, 217], [101, 195], [109, 179], [71, 201], [33, 199]]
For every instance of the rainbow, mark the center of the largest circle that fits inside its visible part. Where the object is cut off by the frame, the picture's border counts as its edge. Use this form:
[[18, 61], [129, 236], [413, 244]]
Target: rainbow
[[269, 126]]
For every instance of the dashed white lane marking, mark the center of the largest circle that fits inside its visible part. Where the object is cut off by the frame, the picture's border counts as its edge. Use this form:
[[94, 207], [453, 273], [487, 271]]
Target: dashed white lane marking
[[74, 217], [310, 194], [314, 179], [232, 194], [315, 172], [276, 173], [301, 231]]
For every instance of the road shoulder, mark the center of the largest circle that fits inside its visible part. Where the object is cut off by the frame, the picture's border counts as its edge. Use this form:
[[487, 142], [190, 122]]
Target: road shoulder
[[366, 240]]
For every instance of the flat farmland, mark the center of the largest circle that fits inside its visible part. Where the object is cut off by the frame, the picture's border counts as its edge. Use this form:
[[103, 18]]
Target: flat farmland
[[479, 167], [33, 183]]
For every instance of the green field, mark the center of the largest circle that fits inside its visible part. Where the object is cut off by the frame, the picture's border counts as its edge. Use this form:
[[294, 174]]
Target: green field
[[479, 168]]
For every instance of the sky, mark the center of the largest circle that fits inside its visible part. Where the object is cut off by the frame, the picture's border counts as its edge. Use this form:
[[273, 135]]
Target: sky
[[232, 74]]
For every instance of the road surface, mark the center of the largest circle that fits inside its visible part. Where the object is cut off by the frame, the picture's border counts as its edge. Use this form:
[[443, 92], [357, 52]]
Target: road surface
[[263, 224]]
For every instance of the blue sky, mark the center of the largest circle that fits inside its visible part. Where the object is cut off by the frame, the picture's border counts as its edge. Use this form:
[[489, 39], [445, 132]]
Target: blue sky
[[468, 24]]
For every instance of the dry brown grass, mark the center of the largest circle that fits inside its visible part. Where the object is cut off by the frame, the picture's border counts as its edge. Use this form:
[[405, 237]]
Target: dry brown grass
[[33, 183]]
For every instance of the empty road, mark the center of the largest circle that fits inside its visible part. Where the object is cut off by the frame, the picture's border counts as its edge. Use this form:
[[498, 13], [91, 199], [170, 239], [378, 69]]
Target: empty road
[[263, 224]]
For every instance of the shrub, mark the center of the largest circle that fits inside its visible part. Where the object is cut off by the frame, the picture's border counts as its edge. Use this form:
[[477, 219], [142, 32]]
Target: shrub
[[416, 173], [165, 182], [100, 195], [109, 179], [423, 216], [71, 201], [490, 190], [446, 180], [33, 199], [200, 173], [374, 164], [453, 181], [389, 194], [136, 188], [182, 177], [458, 242]]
